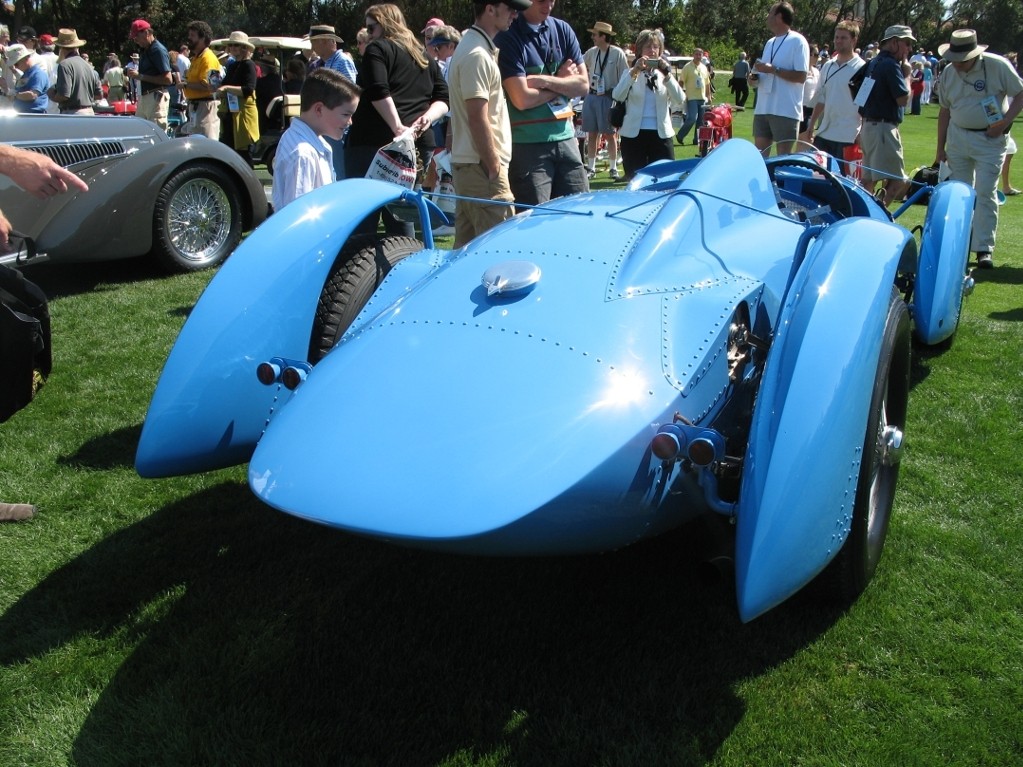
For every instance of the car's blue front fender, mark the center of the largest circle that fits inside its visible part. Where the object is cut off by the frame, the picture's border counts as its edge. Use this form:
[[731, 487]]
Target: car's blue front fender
[[209, 409], [944, 251], [808, 430]]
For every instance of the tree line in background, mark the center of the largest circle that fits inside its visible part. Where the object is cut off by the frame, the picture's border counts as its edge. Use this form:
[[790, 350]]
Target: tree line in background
[[723, 27]]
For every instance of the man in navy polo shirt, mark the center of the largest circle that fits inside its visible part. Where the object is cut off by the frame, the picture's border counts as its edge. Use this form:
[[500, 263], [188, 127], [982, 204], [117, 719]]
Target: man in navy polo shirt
[[882, 97], [542, 69], [154, 74]]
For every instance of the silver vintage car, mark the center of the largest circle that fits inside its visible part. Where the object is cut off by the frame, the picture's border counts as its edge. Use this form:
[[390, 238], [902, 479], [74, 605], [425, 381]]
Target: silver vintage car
[[185, 200]]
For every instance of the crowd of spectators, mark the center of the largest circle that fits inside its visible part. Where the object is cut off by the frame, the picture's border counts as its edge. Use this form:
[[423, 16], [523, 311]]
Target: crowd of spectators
[[528, 112]]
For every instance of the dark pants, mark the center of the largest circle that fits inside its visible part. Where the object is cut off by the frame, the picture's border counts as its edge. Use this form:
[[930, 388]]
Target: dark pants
[[741, 89], [915, 108], [644, 149], [542, 172]]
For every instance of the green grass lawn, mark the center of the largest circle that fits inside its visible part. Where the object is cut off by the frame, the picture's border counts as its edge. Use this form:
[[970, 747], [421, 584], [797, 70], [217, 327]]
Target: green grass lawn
[[181, 622]]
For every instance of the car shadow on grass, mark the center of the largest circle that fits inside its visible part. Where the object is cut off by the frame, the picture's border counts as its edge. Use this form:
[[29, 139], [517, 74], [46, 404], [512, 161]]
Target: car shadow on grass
[[111, 450], [61, 280], [256, 638]]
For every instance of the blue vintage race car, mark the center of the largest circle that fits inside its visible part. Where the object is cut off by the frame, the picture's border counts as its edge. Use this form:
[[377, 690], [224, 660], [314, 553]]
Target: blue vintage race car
[[726, 337]]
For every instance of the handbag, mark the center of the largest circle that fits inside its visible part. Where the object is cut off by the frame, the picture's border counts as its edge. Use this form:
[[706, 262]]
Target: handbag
[[616, 114], [25, 352]]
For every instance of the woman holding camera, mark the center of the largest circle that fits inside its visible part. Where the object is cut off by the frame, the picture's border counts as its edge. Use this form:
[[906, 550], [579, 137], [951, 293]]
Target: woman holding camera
[[649, 91]]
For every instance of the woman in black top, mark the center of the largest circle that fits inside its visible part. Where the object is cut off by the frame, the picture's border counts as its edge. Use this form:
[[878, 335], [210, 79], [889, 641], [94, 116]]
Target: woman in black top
[[238, 93], [401, 88]]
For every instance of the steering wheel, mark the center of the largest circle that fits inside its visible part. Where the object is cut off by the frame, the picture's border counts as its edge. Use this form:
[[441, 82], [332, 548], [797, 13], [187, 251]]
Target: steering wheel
[[843, 207]]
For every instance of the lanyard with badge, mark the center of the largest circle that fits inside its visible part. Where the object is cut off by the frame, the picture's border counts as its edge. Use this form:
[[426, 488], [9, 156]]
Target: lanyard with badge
[[559, 105], [597, 76], [992, 106]]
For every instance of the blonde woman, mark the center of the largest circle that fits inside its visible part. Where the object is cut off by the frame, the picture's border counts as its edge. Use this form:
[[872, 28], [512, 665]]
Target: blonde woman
[[238, 92], [649, 91], [401, 88]]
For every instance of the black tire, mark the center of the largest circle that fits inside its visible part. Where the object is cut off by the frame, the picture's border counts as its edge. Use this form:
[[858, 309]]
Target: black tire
[[854, 566], [268, 159], [358, 271], [197, 221], [843, 208]]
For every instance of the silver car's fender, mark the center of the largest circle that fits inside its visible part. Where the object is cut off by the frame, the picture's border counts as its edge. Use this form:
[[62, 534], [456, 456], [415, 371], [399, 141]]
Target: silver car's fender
[[800, 473], [209, 409], [129, 188]]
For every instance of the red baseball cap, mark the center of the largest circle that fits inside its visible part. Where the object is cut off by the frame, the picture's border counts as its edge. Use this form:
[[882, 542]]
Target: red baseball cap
[[139, 25], [46, 39]]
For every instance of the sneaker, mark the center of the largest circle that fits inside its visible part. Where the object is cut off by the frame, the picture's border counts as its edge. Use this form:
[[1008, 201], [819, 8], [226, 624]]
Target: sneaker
[[614, 174], [590, 173], [984, 260]]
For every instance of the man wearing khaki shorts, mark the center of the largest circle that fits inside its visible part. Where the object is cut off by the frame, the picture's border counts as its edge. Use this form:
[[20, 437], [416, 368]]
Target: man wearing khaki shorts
[[481, 144], [882, 97]]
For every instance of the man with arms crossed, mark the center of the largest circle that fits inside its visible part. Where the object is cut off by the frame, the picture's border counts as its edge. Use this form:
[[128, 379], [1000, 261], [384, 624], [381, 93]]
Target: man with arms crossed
[[542, 69], [835, 122], [481, 145], [778, 76]]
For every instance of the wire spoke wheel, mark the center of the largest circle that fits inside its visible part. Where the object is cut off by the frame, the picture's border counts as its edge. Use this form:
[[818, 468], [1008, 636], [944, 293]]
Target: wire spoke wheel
[[198, 218]]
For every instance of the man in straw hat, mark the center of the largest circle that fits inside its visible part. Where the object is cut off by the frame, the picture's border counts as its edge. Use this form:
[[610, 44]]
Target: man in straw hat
[[77, 87], [980, 95], [326, 44], [153, 74], [606, 63], [882, 94]]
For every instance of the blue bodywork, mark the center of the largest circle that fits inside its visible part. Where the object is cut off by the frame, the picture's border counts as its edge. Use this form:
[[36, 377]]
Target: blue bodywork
[[707, 305]]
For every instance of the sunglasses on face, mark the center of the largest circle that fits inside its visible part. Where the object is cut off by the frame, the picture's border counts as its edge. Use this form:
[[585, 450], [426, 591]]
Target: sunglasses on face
[[371, 28]]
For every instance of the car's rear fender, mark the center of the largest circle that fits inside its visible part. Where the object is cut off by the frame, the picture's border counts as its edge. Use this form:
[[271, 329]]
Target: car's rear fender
[[944, 252], [209, 410], [801, 467]]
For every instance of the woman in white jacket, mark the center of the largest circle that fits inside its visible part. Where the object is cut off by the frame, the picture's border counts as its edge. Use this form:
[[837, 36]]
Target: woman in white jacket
[[649, 91]]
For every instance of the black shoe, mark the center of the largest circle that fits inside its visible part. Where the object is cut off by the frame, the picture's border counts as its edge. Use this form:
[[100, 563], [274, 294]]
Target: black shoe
[[984, 260]]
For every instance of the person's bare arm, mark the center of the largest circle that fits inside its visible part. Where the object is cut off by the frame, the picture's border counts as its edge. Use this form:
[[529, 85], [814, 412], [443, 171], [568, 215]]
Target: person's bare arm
[[478, 112], [36, 173]]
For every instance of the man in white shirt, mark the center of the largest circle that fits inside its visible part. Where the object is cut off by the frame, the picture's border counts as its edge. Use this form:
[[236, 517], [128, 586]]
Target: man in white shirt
[[835, 122], [778, 76]]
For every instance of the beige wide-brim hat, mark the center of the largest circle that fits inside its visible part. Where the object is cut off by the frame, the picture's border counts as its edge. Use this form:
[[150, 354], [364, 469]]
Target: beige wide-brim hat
[[324, 32], [603, 27], [963, 46], [239, 38], [18, 53], [68, 38], [901, 31]]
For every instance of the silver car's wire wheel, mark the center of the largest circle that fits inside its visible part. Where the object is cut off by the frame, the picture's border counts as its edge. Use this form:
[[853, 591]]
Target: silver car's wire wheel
[[197, 219], [200, 219]]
